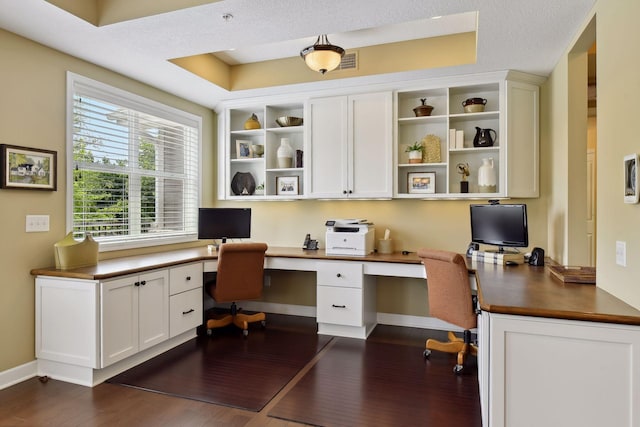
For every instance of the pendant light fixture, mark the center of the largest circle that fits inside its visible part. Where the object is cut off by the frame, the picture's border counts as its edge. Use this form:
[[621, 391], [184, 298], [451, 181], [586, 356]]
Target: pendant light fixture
[[322, 56]]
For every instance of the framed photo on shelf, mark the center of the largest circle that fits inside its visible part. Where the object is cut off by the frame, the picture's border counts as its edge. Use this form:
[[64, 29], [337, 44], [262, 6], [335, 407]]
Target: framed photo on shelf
[[28, 168], [244, 149], [287, 185], [631, 178], [421, 182]]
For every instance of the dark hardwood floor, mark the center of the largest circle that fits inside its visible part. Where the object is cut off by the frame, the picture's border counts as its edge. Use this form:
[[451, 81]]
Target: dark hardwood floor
[[56, 403]]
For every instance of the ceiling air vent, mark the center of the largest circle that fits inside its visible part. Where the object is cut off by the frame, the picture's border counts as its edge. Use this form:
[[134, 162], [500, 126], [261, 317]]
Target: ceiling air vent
[[349, 61]]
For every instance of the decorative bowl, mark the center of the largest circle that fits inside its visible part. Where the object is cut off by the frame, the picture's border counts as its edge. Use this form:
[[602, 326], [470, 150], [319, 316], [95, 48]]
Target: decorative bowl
[[474, 105], [286, 121]]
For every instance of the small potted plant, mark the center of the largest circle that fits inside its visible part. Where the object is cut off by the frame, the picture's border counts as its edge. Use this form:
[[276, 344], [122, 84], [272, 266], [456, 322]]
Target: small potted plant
[[259, 189], [415, 152]]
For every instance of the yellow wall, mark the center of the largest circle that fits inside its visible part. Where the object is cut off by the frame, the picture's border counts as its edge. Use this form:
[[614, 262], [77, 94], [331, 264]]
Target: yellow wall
[[32, 114], [618, 87], [34, 78]]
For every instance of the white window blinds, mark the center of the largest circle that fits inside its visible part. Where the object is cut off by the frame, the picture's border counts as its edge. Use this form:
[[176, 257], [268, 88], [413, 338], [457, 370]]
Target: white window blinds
[[135, 168]]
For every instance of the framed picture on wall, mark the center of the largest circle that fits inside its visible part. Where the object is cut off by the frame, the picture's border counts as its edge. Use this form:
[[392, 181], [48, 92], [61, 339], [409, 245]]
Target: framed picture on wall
[[287, 185], [422, 182], [631, 178], [28, 168]]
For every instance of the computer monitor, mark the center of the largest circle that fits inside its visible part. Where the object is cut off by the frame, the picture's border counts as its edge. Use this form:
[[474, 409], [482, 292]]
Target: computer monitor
[[500, 225], [224, 223]]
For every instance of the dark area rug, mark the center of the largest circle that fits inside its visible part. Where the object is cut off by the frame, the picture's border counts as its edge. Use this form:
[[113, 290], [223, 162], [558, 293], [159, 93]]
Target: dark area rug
[[228, 369], [360, 382]]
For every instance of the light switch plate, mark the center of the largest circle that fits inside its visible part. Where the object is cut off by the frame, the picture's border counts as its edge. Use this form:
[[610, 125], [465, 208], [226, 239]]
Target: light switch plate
[[621, 253], [37, 223]]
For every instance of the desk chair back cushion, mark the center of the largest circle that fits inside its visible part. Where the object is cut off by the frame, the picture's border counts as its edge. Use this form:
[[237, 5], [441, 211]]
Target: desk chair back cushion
[[449, 287], [240, 272]]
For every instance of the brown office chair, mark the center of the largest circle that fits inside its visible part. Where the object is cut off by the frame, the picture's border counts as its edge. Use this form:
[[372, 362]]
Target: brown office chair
[[450, 299], [239, 277]]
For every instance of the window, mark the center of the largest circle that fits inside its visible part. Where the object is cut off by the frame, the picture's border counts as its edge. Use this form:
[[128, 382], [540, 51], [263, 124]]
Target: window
[[134, 166]]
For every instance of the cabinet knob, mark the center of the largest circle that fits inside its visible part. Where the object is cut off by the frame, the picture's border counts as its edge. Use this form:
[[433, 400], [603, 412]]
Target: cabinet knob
[[144, 282], [188, 277], [350, 191], [338, 275], [344, 191], [136, 284]]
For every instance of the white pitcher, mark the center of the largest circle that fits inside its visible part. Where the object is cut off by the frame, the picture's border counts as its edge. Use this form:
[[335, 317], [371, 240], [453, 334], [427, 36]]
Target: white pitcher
[[487, 176]]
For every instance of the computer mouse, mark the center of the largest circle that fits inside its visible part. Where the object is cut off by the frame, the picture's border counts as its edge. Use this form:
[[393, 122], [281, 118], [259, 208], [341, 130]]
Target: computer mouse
[[510, 263]]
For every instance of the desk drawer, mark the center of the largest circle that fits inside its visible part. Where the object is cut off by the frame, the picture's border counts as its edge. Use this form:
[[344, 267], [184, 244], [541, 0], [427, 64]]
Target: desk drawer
[[185, 311], [342, 306], [343, 274], [185, 277]]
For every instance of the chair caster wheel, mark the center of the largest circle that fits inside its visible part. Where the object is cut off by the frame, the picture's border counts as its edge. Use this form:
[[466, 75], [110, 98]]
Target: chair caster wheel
[[43, 379], [263, 323], [245, 332], [458, 369], [426, 353], [209, 332]]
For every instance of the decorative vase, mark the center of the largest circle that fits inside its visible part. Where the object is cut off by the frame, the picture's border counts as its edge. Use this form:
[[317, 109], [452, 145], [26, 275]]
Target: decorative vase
[[252, 123], [243, 184], [487, 176], [415, 156], [285, 154]]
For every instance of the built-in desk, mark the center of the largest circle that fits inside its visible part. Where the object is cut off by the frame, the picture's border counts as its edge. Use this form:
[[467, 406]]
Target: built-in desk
[[551, 353], [554, 353]]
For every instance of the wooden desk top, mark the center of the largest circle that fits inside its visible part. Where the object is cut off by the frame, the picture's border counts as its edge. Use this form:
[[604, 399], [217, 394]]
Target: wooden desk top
[[519, 290], [533, 291]]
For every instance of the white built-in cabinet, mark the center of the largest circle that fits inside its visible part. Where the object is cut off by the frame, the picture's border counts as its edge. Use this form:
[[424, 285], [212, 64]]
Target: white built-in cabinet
[[346, 300], [354, 144], [351, 146], [89, 330], [134, 314], [511, 111], [538, 371], [263, 168]]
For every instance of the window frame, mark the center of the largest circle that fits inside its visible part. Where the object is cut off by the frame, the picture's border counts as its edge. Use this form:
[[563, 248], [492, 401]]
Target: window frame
[[139, 103]]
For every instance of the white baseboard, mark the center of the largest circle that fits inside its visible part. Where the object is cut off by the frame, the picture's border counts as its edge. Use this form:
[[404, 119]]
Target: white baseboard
[[382, 318], [18, 374]]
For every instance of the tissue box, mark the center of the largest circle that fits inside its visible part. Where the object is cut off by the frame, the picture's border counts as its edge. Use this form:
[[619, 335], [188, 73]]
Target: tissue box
[[69, 253]]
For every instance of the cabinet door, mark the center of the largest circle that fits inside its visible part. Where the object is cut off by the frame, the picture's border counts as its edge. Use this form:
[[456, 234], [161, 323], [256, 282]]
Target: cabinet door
[[153, 308], [523, 140], [328, 147], [370, 145], [545, 372], [119, 319]]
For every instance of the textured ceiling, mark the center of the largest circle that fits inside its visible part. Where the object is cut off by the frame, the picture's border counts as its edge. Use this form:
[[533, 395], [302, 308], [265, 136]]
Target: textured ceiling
[[521, 35]]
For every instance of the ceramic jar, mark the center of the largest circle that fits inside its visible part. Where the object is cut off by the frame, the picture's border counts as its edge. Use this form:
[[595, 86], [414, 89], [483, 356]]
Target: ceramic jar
[[285, 154], [487, 176]]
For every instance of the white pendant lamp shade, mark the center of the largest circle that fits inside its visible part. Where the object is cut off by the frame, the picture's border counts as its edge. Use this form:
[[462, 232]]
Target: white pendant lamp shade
[[322, 56]]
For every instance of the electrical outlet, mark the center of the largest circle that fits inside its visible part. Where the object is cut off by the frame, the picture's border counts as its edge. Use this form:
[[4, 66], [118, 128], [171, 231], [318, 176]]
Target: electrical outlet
[[37, 223], [621, 253]]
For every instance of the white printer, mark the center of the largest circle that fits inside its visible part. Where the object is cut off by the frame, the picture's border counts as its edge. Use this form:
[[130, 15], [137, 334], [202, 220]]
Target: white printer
[[349, 237]]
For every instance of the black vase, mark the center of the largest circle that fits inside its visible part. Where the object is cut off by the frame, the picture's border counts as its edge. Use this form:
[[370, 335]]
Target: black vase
[[243, 184]]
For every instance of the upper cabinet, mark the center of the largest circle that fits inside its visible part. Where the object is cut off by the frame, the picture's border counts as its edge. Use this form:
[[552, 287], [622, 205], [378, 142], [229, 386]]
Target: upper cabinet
[[480, 140], [479, 137], [252, 166], [350, 144]]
